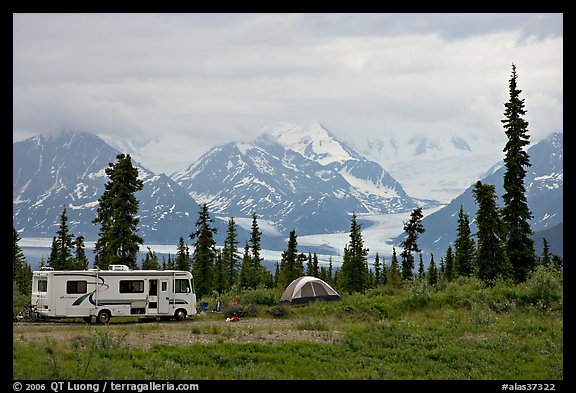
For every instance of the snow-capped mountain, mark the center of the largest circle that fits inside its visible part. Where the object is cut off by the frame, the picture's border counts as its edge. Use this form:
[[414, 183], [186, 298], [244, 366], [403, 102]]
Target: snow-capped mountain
[[544, 193], [297, 176], [439, 166], [51, 172]]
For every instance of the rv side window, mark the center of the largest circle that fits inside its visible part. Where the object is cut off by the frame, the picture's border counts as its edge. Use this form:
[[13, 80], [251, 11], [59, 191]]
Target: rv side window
[[42, 285], [76, 287], [132, 286], [182, 286]]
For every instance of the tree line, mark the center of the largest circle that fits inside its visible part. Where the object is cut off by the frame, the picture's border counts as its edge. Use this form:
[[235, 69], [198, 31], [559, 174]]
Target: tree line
[[502, 247]]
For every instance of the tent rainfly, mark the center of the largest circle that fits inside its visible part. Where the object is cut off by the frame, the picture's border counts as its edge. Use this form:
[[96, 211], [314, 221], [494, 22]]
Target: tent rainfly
[[306, 289]]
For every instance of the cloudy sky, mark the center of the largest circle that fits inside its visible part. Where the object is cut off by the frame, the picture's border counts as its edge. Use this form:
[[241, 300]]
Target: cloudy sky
[[167, 87]]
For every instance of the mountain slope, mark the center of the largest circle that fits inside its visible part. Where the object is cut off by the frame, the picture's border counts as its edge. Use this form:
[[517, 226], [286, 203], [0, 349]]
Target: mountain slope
[[437, 166], [68, 169], [544, 193], [299, 177]]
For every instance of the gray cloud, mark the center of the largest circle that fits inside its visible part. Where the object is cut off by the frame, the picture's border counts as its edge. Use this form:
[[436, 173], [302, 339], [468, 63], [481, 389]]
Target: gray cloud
[[174, 85]]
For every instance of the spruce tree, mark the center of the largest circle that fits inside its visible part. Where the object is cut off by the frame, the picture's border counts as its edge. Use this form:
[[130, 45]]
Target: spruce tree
[[432, 271], [182, 260], [21, 271], [354, 266], [290, 268], [204, 256], [384, 274], [464, 248], [442, 269], [449, 264], [220, 276], [394, 274], [150, 261], [246, 277], [490, 259], [261, 276], [413, 229], [377, 271], [230, 255], [309, 267], [315, 271], [81, 260], [421, 271], [516, 214], [61, 257], [171, 265], [117, 214], [546, 256]]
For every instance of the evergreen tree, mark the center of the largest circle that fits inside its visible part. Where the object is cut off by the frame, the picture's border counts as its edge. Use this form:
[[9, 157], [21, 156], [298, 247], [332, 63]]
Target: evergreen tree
[[81, 260], [290, 268], [384, 274], [442, 269], [377, 271], [558, 262], [309, 268], [546, 256], [324, 273], [259, 273], [354, 266], [421, 271], [315, 271], [413, 229], [220, 273], [230, 254], [276, 274], [329, 274], [21, 271], [463, 246], [204, 256], [432, 271], [182, 260], [490, 258], [61, 257], [394, 274], [150, 261], [117, 214], [246, 277], [449, 264], [516, 214], [170, 265]]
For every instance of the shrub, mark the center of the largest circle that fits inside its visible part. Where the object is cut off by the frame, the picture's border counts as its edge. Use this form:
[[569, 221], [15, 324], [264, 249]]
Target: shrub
[[279, 311], [544, 285]]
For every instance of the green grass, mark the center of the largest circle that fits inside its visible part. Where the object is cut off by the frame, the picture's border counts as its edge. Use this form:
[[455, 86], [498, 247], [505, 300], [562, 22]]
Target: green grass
[[458, 331]]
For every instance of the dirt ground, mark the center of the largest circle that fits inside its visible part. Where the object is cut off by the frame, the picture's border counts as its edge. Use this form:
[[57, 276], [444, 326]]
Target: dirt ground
[[199, 329]]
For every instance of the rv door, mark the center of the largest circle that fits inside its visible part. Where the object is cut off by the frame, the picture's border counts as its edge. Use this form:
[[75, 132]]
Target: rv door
[[163, 298]]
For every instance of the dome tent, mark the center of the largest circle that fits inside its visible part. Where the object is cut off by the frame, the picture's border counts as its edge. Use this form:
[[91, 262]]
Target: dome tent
[[306, 289]]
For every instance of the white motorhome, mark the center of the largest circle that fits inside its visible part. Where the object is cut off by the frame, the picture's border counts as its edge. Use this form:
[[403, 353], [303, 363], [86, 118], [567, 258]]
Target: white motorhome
[[97, 295]]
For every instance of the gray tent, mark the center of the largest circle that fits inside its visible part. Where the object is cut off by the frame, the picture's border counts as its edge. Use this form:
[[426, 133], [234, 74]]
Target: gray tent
[[307, 288]]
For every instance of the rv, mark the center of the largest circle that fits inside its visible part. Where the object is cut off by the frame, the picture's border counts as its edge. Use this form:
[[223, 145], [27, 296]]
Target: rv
[[98, 295]]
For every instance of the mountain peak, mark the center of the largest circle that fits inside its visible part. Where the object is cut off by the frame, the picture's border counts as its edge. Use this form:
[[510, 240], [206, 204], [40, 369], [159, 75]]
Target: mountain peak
[[312, 140]]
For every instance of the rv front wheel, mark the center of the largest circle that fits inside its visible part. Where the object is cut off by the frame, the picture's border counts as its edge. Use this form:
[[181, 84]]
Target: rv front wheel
[[103, 317], [180, 315]]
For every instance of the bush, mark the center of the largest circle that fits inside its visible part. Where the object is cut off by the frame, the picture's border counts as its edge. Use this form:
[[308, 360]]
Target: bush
[[241, 311], [20, 304], [279, 311], [543, 286]]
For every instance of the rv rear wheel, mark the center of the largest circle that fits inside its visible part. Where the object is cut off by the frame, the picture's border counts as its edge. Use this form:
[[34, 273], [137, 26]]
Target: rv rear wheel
[[180, 315], [103, 317]]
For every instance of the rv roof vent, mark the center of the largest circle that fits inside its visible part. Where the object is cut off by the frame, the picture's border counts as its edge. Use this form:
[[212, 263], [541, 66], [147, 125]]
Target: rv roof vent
[[119, 267], [43, 268]]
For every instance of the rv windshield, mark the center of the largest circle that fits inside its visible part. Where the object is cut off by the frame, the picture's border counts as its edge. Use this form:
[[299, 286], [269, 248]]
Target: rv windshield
[[182, 286]]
